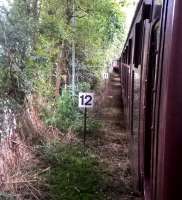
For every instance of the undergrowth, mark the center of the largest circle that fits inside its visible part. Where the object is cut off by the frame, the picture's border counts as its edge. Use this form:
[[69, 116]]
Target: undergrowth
[[74, 175], [5, 196], [65, 114]]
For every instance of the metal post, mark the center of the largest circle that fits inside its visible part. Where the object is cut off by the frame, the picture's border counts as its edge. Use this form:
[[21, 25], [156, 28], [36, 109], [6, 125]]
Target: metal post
[[85, 127]]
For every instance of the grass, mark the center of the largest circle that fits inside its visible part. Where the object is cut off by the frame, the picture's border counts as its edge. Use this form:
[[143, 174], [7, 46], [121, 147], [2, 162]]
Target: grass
[[4, 196], [74, 175]]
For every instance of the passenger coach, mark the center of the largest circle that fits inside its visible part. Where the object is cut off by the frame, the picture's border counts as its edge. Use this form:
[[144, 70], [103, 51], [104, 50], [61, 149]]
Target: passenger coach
[[151, 77]]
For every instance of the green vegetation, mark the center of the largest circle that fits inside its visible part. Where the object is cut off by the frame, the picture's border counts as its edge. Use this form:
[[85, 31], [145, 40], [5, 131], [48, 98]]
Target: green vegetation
[[65, 114], [74, 175], [36, 45], [4, 196], [38, 40]]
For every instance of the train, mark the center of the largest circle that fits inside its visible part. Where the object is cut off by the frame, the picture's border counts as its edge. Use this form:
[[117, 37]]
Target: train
[[151, 79]]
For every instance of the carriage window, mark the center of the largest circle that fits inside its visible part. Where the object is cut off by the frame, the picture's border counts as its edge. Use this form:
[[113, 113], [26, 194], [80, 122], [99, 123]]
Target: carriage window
[[126, 54], [159, 2], [138, 44], [151, 98], [130, 52]]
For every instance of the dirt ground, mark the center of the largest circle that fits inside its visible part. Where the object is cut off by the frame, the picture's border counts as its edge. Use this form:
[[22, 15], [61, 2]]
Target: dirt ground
[[112, 142]]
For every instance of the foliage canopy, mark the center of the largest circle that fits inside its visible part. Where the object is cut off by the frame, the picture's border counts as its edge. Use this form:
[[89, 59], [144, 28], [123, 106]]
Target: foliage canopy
[[36, 47]]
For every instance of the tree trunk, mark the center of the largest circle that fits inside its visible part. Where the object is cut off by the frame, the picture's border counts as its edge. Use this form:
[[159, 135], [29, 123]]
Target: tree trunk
[[61, 70]]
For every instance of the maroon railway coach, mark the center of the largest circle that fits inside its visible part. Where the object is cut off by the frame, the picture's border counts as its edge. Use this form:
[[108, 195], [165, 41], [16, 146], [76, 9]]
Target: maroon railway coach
[[151, 77]]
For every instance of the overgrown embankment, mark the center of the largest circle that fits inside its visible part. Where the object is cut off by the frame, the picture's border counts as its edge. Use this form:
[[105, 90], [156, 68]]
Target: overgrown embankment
[[40, 162], [54, 166], [39, 47]]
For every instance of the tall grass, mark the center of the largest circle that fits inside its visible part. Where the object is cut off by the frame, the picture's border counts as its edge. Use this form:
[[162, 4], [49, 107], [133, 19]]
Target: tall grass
[[74, 175]]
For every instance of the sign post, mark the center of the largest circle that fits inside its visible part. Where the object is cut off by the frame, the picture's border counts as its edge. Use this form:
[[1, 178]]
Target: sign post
[[105, 77], [86, 100], [85, 127]]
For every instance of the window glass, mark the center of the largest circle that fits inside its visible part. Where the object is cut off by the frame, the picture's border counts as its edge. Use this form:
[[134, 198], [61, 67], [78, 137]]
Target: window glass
[[130, 52], [138, 43], [159, 2]]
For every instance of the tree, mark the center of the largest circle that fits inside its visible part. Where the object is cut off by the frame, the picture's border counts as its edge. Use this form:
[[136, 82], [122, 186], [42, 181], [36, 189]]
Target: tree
[[36, 38], [17, 37]]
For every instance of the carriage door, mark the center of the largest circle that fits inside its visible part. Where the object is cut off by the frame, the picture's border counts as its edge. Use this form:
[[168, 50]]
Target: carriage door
[[151, 110]]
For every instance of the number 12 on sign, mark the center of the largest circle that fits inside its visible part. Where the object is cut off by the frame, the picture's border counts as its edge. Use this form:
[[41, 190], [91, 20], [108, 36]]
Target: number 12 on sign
[[86, 100]]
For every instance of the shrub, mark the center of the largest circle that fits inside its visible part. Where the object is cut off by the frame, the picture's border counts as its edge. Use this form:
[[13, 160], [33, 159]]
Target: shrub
[[5, 196], [67, 115], [75, 175]]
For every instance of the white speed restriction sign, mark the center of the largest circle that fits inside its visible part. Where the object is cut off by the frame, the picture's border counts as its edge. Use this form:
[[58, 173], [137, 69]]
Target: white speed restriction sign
[[105, 76], [86, 100]]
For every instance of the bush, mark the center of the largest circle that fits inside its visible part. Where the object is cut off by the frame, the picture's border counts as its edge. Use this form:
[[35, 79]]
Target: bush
[[64, 114], [5, 196], [67, 115], [75, 175]]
